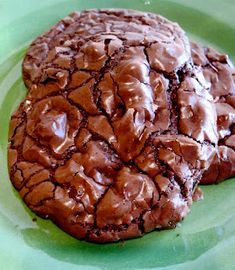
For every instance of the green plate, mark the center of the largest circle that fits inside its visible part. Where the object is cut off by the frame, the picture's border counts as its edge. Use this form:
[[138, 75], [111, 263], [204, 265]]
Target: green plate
[[205, 240]]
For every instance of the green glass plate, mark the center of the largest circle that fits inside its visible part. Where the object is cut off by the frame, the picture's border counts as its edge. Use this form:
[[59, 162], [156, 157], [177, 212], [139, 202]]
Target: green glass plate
[[205, 240]]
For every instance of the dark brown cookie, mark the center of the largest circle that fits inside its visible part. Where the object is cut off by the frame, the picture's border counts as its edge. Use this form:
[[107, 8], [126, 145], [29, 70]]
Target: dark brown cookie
[[219, 72], [88, 41], [116, 130]]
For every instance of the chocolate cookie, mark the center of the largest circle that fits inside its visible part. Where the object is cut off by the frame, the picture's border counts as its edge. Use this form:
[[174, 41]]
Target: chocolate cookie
[[117, 128], [220, 74]]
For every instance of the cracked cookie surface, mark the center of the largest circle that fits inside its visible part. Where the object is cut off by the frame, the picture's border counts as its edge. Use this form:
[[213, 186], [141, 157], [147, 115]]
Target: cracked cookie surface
[[219, 73], [116, 129]]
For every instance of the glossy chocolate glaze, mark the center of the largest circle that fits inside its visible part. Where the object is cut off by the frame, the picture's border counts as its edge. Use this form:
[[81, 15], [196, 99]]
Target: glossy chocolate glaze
[[117, 128]]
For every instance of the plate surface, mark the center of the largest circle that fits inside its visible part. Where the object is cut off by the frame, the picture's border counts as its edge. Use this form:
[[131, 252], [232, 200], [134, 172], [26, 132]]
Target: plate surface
[[205, 240]]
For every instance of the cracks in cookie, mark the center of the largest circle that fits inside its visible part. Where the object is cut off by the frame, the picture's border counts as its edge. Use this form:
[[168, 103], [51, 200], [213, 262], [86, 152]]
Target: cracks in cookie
[[139, 20], [42, 202], [229, 147], [190, 92], [147, 57], [110, 65], [13, 180], [42, 146], [11, 141], [12, 169], [151, 178], [26, 180], [197, 175], [20, 117], [222, 98], [160, 193], [83, 112], [223, 59], [96, 92], [171, 93], [185, 192], [170, 174], [97, 204], [148, 142], [95, 181], [20, 147], [170, 76], [70, 89], [54, 32], [73, 193], [231, 133], [66, 156], [191, 165], [44, 65], [203, 86], [134, 164], [117, 92], [174, 86], [140, 222], [98, 137], [163, 170], [55, 93], [31, 188], [205, 142], [70, 72], [117, 229]]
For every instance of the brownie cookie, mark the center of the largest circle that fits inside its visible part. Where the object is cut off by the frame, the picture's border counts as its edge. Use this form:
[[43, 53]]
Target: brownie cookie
[[116, 129], [220, 74], [88, 41]]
